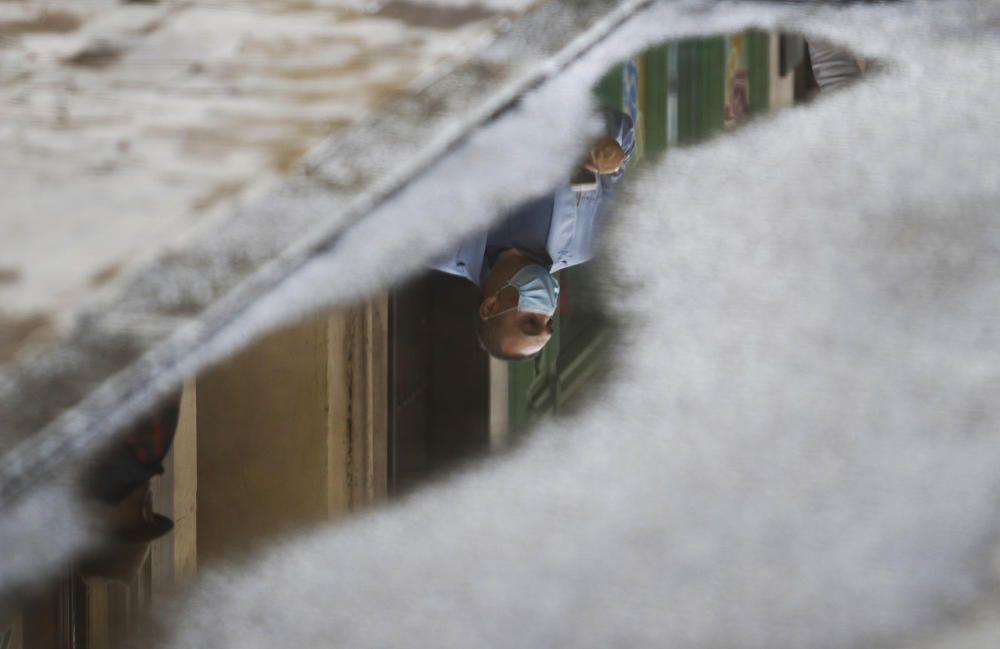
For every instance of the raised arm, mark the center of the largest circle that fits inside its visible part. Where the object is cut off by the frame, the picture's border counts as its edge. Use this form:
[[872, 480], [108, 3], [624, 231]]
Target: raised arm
[[618, 125]]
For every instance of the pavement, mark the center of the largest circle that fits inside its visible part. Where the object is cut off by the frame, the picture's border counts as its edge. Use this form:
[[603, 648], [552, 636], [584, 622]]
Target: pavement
[[126, 127]]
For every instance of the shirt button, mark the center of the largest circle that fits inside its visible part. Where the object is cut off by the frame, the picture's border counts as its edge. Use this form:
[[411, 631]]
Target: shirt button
[[461, 264]]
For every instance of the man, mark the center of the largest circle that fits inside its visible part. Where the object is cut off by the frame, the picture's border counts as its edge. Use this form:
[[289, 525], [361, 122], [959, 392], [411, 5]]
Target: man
[[514, 263], [119, 482]]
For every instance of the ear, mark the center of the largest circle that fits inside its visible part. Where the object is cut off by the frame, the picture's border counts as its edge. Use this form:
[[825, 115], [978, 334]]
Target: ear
[[489, 307]]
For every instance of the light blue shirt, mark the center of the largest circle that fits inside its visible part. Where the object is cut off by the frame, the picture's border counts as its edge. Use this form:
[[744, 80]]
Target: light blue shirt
[[561, 226]]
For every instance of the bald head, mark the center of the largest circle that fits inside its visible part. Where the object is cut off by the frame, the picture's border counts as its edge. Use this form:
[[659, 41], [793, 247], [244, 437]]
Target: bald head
[[504, 330], [515, 335]]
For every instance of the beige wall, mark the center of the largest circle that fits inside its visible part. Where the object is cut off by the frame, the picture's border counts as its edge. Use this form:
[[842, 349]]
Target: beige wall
[[288, 433], [184, 555], [781, 89], [174, 557], [292, 431]]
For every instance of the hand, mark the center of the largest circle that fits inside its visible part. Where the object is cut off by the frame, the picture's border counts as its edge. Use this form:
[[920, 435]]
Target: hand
[[605, 157]]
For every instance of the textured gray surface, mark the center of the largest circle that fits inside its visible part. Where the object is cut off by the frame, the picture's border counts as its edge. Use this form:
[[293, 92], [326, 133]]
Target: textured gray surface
[[798, 446], [127, 127]]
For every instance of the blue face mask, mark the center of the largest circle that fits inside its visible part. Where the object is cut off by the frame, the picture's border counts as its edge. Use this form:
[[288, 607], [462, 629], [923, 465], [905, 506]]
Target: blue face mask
[[537, 289]]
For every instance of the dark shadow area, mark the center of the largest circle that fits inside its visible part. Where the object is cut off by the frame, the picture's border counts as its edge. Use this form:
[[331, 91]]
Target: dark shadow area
[[438, 380]]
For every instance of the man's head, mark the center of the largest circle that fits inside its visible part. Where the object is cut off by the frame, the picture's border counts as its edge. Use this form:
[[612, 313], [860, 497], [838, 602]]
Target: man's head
[[131, 526], [519, 301]]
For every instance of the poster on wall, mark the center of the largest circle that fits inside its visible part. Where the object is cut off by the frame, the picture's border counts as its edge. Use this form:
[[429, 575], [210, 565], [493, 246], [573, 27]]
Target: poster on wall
[[737, 91]]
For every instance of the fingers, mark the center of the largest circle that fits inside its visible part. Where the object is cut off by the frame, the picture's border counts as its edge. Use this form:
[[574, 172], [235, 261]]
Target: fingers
[[606, 156]]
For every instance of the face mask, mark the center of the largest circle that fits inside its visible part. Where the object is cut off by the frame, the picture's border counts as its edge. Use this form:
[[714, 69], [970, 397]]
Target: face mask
[[537, 289]]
